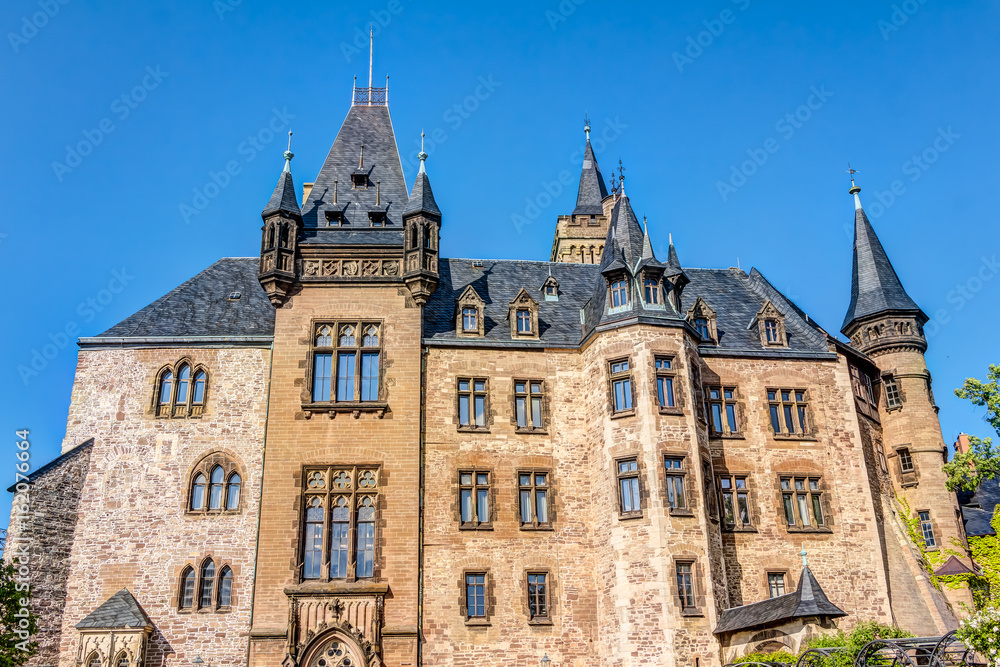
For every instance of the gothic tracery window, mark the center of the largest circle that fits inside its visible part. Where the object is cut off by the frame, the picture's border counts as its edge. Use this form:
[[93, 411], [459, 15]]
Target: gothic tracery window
[[348, 372], [180, 391], [216, 486]]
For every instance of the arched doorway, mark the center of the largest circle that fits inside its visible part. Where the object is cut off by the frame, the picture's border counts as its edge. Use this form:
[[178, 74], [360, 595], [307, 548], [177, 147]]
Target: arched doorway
[[334, 650]]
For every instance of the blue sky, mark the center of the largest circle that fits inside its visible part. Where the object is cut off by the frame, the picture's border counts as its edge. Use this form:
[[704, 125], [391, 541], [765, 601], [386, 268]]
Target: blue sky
[[735, 120]]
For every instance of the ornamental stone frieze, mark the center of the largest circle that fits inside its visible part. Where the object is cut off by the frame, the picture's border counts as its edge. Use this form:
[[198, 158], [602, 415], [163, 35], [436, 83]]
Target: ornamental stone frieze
[[347, 269]]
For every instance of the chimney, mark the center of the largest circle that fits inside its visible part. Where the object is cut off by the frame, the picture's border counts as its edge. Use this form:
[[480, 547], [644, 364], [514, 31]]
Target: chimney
[[962, 444]]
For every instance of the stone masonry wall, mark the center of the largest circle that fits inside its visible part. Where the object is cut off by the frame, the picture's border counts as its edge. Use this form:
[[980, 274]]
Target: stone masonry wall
[[134, 531]]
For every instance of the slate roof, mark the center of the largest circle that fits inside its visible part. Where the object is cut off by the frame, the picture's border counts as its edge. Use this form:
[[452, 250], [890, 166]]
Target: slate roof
[[284, 197], [200, 306], [38, 472], [875, 287], [978, 507], [808, 600], [372, 127], [120, 611], [422, 197], [592, 189]]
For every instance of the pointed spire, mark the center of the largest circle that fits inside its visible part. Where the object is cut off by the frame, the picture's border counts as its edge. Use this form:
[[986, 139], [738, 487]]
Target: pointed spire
[[422, 197], [624, 240], [592, 189], [284, 198], [875, 287]]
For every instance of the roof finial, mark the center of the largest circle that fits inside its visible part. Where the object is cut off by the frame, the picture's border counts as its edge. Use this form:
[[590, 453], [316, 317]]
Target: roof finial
[[371, 57], [854, 188], [422, 155], [803, 553], [289, 154], [361, 160], [614, 183], [586, 126], [621, 175], [670, 238], [378, 193], [645, 227]]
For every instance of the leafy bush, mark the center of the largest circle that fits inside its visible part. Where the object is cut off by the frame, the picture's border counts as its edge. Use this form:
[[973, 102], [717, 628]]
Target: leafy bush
[[982, 633], [852, 642], [777, 656]]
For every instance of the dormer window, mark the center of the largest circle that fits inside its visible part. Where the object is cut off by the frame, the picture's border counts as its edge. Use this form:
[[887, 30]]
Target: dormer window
[[702, 318], [469, 317], [523, 316], [359, 180], [377, 218], [651, 290], [619, 293], [550, 288], [334, 218], [771, 324]]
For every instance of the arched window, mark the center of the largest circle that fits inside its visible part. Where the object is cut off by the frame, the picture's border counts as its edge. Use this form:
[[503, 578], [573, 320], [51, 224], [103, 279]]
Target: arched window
[[619, 293], [198, 492], [207, 584], [270, 236], [166, 386], [215, 490], [428, 237], [283, 236], [187, 588], [233, 491], [183, 379], [225, 587], [175, 396], [347, 335], [121, 660], [94, 660]]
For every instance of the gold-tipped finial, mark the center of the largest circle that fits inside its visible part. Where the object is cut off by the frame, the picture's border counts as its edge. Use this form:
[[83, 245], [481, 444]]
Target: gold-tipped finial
[[854, 188]]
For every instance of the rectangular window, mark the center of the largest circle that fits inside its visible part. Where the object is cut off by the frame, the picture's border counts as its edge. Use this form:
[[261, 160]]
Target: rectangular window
[[523, 321], [905, 460], [892, 397], [664, 382], [628, 486], [721, 409], [734, 490], [472, 402], [474, 498], [538, 596], [533, 498], [771, 331], [776, 583], [701, 326], [802, 501], [927, 529], [675, 473], [619, 293], [475, 595], [339, 501], [470, 319], [355, 347], [652, 291], [787, 408], [621, 386], [685, 585], [862, 383], [528, 403]]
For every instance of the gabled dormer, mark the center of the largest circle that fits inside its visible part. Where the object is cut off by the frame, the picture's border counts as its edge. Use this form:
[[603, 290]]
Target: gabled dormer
[[702, 318], [770, 323], [550, 289], [523, 316], [470, 314]]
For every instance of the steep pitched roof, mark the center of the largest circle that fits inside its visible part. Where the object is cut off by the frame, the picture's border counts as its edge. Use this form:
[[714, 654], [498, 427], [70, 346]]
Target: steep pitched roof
[[592, 189], [952, 566], [977, 508], [624, 240], [808, 600], [120, 611], [200, 307], [283, 198], [875, 287], [673, 266], [370, 126], [422, 197]]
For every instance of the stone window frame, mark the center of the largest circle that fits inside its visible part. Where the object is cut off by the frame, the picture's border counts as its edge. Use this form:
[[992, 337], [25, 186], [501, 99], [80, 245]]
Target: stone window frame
[[824, 502], [196, 565], [636, 474], [472, 393], [785, 582], [618, 376], [928, 524], [659, 293], [549, 489], [325, 489], [685, 473], [738, 525], [522, 302], [892, 392], [701, 310], [469, 298], [205, 466], [547, 619], [672, 374], [697, 585], [189, 409], [770, 326], [474, 471], [489, 597], [800, 408], [334, 349], [528, 394], [613, 279], [736, 400], [907, 478]]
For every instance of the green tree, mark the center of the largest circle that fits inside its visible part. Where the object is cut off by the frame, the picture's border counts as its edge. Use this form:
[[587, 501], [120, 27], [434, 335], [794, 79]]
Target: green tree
[[17, 623], [966, 471]]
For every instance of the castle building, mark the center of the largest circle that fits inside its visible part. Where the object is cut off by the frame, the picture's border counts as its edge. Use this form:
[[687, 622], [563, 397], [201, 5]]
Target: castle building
[[350, 451]]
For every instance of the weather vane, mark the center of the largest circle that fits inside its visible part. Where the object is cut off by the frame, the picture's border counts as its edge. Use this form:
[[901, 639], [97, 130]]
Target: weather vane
[[851, 171]]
